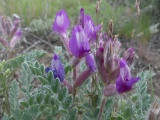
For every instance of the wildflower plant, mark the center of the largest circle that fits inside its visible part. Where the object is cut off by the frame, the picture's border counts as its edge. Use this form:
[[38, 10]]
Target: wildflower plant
[[91, 85]]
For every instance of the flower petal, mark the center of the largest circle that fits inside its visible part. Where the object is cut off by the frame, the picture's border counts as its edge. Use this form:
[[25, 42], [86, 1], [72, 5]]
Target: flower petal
[[91, 62], [121, 86], [57, 68], [61, 23], [89, 27], [78, 43]]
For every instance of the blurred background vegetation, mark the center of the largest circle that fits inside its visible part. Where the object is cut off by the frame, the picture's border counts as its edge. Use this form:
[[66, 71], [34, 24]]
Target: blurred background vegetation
[[39, 14]]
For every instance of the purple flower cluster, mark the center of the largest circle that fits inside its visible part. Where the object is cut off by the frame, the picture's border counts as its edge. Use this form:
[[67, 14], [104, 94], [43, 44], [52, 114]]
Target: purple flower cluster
[[10, 31], [114, 70]]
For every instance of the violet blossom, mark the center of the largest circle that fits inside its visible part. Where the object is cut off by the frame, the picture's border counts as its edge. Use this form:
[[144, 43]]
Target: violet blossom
[[125, 81], [59, 72], [78, 44], [88, 25], [61, 23], [57, 68]]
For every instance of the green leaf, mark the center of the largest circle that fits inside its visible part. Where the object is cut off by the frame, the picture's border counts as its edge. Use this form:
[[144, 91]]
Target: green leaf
[[68, 68], [38, 71], [2, 77], [31, 100], [50, 76], [13, 94], [55, 85], [24, 103], [14, 64], [42, 68], [73, 114], [39, 98], [62, 94], [32, 69], [52, 101], [47, 99], [36, 64], [68, 102], [43, 80]]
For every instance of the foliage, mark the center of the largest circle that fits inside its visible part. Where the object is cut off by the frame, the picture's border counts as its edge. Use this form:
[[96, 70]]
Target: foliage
[[100, 88], [50, 100]]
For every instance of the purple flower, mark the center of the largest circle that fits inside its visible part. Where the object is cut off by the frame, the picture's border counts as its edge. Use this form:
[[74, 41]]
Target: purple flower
[[61, 23], [125, 81], [57, 68], [91, 62], [78, 43], [88, 25]]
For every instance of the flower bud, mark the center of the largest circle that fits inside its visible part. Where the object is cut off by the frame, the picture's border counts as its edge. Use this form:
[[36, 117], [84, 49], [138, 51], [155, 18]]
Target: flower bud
[[91, 62], [4, 42], [110, 90], [68, 85], [82, 77], [100, 65], [129, 55], [15, 39]]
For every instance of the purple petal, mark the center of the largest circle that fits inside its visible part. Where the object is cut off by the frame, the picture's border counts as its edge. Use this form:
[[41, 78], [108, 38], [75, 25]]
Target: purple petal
[[132, 81], [78, 43], [16, 38], [91, 62], [125, 72], [97, 28], [125, 81], [121, 86], [47, 70], [89, 27], [61, 23], [57, 68]]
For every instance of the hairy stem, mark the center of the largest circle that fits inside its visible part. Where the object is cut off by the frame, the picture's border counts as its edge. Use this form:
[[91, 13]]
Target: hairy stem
[[101, 109]]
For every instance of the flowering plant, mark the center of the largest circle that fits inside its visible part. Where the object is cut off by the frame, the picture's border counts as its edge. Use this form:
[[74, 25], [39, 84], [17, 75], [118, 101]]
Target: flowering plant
[[91, 85]]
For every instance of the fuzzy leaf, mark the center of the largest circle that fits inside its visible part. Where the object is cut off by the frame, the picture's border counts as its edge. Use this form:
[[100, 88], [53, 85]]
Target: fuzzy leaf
[[24, 103], [73, 114], [43, 80], [68, 101], [62, 94], [55, 85]]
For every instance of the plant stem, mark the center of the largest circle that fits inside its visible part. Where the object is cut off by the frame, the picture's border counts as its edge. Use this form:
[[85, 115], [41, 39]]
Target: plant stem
[[101, 109], [74, 73]]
